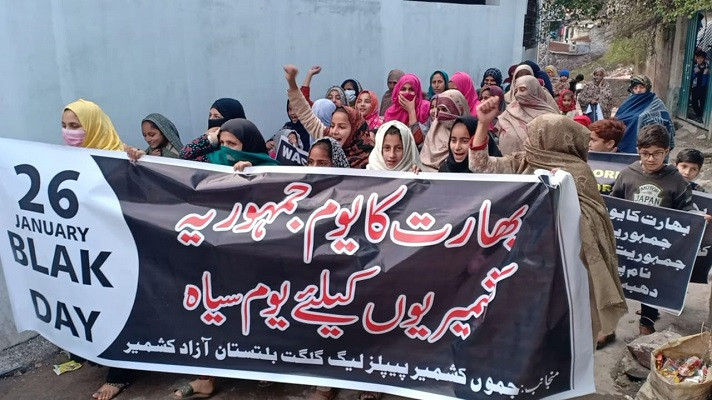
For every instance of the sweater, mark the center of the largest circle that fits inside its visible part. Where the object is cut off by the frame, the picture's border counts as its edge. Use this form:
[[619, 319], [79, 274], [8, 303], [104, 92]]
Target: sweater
[[662, 188]]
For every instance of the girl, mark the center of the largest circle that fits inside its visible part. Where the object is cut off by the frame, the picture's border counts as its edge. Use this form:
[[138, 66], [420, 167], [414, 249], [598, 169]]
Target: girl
[[352, 88], [395, 149], [555, 141], [337, 95], [408, 105], [551, 71], [567, 103], [386, 101], [596, 97], [450, 105], [462, 82], [459, 145], [161, 135], [327, 152], [492, 76], [347, 125], [295, 125], [367, 105], [438, 83]]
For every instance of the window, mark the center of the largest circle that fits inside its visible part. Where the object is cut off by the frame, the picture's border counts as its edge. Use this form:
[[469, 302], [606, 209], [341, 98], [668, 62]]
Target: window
[[531, 22]]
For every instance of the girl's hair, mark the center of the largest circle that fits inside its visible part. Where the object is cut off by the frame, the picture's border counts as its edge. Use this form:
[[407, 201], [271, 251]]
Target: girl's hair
[[154, 126], [392, 131], [325, 144]]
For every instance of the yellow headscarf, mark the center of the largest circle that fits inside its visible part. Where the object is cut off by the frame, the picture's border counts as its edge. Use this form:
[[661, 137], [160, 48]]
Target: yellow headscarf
[[100, 132]]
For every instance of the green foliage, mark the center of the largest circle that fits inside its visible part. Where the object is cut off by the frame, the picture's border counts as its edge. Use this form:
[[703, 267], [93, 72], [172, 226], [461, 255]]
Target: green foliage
[[626, 51], [622, 11]]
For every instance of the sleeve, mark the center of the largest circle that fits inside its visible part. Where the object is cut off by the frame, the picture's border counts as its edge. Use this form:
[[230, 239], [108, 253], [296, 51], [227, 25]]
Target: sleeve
[[585, 96], [198, 149], [306, 91], [417, 133], [305, 114], [480, 161], [618, 189], [606, 100]]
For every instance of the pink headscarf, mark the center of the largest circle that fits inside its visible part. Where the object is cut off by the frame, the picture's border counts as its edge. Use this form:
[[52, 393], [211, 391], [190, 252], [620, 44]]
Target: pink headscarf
[[397, 113], [372, 118], [467, 88]]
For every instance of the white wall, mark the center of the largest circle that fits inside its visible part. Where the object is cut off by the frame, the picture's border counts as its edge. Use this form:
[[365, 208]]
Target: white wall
[[176, 57]]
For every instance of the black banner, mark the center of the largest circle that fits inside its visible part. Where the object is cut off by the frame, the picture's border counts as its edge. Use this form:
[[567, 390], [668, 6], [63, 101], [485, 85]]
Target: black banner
[[703, 203], [656, 250], [420, 286], [607, 166]]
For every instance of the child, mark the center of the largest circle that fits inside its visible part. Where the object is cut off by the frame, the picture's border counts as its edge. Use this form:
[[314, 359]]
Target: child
[[605, 135], [650, 181], [567, 103], [689, 163], [395, 149], [699, 83]]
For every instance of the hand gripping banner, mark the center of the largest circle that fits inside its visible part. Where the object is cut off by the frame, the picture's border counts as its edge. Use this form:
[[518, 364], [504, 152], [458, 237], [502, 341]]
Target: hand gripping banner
[[430, 286]]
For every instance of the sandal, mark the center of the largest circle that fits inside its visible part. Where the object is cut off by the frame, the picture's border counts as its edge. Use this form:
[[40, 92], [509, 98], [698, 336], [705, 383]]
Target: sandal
[[608, 339], [319, 394], [370, 396], [187, 392], [101, 393]]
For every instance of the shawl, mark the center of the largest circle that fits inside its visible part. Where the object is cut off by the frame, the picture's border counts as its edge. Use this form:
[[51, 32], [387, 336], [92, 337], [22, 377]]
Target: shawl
[[247, 133], [410, 149], [173, 144], [552, 69], [560, 101], [436, 144], [494, 73], [467, 87], [509, 96], [525, 107], [100, 132], [342, 95], [338, 157], [431, 93], [397, 113], [393, 76], [323, 108], [601, 90], [358, 144], [372, 118], [450, 165], [229, 109], [639, 110], [300, 129]]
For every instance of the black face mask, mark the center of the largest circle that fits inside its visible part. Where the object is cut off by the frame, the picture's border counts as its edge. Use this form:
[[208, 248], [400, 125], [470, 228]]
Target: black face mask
[[212, 123]]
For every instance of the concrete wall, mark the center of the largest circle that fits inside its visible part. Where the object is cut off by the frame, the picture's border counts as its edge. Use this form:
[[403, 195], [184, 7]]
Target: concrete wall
[[175, 57]]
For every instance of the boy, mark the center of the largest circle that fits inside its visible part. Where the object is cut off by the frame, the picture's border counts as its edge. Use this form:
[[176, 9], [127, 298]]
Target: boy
[[651, 181], [689, 163], [605, 135], [699, 82]]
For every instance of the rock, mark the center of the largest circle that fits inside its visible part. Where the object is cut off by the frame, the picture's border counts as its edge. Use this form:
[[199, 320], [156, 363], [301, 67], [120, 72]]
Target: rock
[[633, 370], [641, 347], [701, 137]]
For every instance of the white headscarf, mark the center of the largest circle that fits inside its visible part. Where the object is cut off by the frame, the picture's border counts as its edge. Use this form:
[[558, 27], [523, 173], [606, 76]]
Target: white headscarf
[[410, 149]]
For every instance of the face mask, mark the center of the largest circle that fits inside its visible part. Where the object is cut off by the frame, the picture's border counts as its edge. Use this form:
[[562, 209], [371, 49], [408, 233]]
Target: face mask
[[350, 95], [409, 96], [73, 137], [213, 123]]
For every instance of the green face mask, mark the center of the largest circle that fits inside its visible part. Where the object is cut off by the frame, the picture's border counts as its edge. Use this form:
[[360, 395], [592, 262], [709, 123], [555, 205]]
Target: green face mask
[[228, 156]]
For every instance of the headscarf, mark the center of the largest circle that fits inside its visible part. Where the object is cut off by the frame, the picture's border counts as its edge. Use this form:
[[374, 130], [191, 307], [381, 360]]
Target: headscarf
[[422, 108], [100, 132], [497, 91], [357, 89], [338, 157], [302, 133], [410, 149], [323, 108], [168, 130], [467, 87], [358, 144], [509, 96], [344, 100], [229, 109], [285, 132], [510, 72], [541, 74], [564, 72], [431, 93], [640, 80], [525, 107], [494, 73], [393, 76], [599, 69], [552, 69], [560, 101], [583, 120], [372, 118], [253, 150], [450, 165], [436, 144]]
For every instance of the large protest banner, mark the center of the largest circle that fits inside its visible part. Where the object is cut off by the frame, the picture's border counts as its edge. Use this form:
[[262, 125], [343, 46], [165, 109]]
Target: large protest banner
[[437, 286], [656, 250]]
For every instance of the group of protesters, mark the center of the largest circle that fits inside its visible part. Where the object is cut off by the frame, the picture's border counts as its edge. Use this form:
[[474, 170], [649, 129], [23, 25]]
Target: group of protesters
[[534, 119]]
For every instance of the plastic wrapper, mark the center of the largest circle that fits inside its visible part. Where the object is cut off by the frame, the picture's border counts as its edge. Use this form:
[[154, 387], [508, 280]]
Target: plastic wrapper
[[68, 366]]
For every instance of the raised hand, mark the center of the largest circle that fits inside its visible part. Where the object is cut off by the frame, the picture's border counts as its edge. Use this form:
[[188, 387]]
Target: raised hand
[[314, 70], [488, 110], [290, 72]]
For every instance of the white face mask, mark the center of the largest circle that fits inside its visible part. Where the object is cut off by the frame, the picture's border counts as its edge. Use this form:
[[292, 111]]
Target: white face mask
[[73, 137], [350, 95]]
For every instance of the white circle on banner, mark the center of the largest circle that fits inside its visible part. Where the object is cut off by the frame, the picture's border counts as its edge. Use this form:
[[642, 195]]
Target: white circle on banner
[[81, 309]]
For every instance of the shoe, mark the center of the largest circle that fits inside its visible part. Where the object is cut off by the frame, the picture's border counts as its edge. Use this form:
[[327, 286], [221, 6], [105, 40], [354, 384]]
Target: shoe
[[608, 339], [646, 329]]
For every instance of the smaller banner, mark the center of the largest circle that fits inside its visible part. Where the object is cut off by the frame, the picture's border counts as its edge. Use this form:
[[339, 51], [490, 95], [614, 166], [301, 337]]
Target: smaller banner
[[656, 250], [703, 203], [288, 154], [607, 166]]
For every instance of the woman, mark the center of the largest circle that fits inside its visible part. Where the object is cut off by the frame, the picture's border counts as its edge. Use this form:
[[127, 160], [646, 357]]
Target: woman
[[295, 125], [323, 108], [462, 82], [492, 76], [337, 95], [407, 103], [510, 78], [596, 98], [367, 105], [538, 73], [530, 101], [438, 83], [224, 110], [520, 71], [393, 77], [84, 124], [352, 88], [450, 105], [161, 135], [555, 141], [395, 149], [642, 108], [347, 125]]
